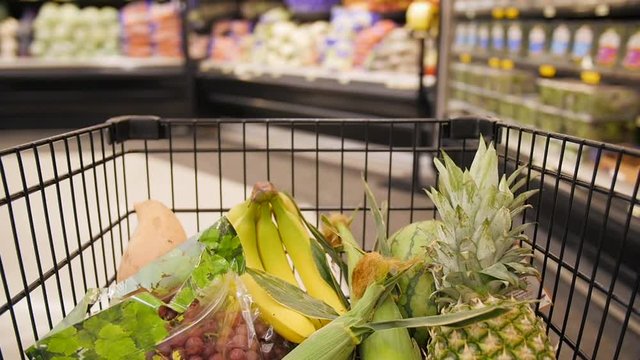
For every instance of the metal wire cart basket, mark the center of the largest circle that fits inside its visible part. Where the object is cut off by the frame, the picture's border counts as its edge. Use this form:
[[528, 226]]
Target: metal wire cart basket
[[66, 211]]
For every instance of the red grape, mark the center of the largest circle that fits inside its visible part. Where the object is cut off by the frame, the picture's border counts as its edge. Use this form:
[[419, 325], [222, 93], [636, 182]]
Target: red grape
[[252, 355], [239, 341], [167, 313], [178, 340], [164, 348], [237, 354], [194, 345], [241, 330], [209, 349]]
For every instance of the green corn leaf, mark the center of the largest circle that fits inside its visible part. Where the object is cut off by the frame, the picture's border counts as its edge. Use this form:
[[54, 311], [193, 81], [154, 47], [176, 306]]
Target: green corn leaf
[[292, 297], [382, 243], [320, 258], [457, 319]]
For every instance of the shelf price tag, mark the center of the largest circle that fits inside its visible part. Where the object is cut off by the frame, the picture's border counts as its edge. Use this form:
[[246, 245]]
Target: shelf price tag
[[494, 62], [506, 64], [465, 58], [590, 77], [497, 13], [512, 13], [547, 71]]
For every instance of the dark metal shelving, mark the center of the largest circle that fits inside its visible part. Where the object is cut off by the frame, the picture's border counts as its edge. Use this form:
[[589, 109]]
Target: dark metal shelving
[[540, 10], [563, 69]]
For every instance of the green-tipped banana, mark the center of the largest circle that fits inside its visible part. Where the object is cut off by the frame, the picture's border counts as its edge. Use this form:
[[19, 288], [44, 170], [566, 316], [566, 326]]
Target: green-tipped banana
[[290, 324], [296, 240], [272, 253], [243, 219]]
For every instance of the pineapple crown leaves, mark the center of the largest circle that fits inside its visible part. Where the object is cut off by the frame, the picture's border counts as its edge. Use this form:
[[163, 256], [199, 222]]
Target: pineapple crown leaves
[[476, 248]]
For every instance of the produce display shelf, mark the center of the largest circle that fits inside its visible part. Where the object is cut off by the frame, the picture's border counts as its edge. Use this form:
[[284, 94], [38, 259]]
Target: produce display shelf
[[395, 81], [613, 76], [117, 66], [624, 185], [254, 91], [66, 94], [548, 9]]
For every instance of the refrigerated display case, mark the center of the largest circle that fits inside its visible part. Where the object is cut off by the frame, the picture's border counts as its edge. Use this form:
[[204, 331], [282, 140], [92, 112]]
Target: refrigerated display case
[[65, 65]]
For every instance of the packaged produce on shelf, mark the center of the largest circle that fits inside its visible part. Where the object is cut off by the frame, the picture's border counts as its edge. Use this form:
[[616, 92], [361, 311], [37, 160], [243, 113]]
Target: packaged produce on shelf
[[167, 29], [231, 41], [483, 43], [610, 44], [472, 36], [526, 112], [587, 126], [632, 51], [346, 23], [506, 107], [9, 38], [498, 38], [369, 38], [516, 39], [583, 43], [65, 31], [560, 42], [550, 119], [282, 43], [136, 30], [459, 72], [538, 39], [199, 46], [603, 102], [515, 82], [465, 37], [380, 6], [398, 52], [311, 6]]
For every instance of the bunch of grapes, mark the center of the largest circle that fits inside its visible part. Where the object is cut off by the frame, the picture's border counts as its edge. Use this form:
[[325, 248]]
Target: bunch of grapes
[[223, 335]]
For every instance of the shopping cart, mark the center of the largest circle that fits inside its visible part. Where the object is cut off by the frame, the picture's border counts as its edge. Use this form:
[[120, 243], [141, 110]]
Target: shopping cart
[[67, 209]]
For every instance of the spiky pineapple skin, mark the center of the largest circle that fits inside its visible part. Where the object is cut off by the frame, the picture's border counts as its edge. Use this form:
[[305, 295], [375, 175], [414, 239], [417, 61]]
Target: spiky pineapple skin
[[516, 335]]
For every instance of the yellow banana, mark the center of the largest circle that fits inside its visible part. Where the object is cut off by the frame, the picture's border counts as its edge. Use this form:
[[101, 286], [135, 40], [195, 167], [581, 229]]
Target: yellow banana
[[289, 324], [270, 247], [242, 217], [296, 240]]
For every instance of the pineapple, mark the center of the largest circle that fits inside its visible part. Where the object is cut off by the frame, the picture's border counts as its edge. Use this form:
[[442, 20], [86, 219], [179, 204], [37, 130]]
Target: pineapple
[[476, 261]]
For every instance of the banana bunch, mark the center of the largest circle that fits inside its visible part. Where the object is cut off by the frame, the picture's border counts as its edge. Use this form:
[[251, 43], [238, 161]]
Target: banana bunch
[[265, 243]]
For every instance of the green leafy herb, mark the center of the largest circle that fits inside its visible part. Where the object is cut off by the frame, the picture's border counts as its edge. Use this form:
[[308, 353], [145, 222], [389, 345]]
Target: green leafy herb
[[124, 331], [222, 253]]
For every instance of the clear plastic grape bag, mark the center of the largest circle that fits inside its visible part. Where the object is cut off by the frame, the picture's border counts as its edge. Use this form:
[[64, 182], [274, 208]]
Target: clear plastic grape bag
[[224, 325]]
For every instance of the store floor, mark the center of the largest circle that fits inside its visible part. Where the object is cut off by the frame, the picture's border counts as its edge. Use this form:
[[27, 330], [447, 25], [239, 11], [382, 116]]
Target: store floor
[[331, 179]]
